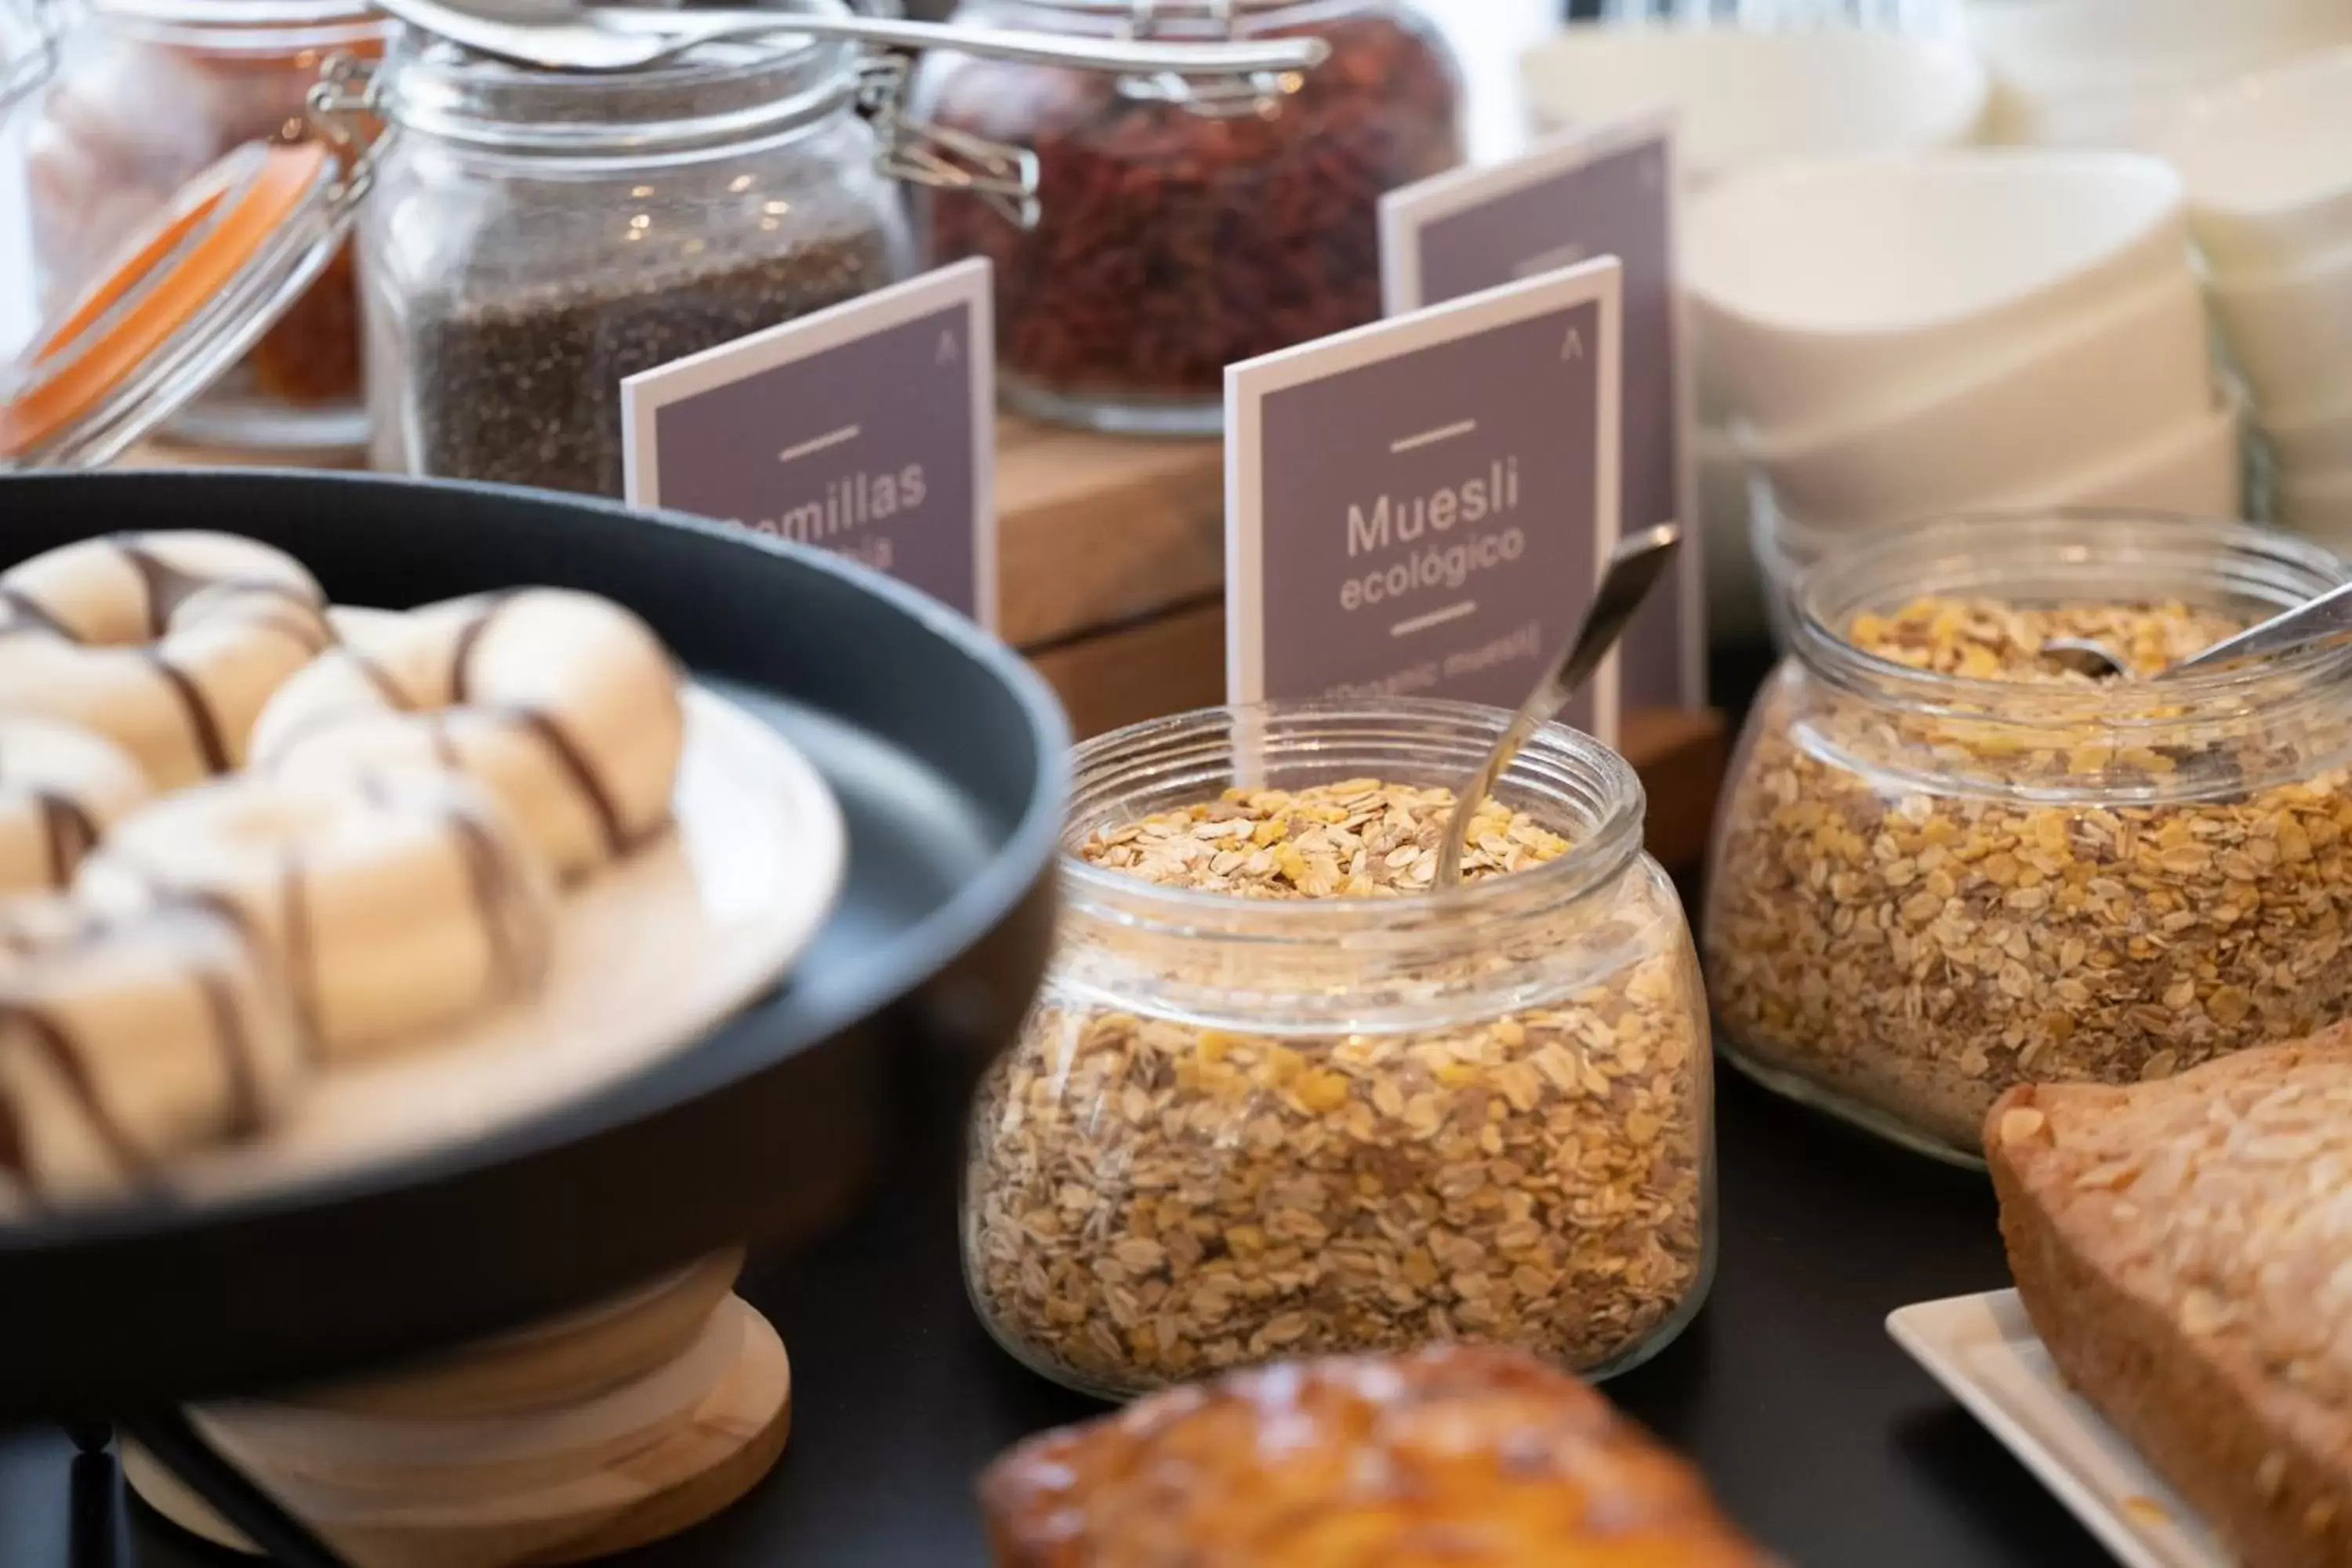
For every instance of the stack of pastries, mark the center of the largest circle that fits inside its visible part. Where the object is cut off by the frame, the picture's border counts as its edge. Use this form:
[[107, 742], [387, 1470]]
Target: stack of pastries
[[245, 839]]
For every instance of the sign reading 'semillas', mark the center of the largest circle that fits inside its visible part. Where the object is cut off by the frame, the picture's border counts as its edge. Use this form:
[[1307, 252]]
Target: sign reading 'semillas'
[[1422, 506], [869, 430]]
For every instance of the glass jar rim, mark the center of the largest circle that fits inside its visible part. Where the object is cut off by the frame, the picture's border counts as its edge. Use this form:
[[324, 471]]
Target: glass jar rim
[[720, 93], [1975, 554], [259, 18], [1189, 746]]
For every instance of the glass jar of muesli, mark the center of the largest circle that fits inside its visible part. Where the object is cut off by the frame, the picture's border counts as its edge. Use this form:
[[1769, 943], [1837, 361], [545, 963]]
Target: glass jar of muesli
[[1278, 1097], [1187, 223], [1948, 863]]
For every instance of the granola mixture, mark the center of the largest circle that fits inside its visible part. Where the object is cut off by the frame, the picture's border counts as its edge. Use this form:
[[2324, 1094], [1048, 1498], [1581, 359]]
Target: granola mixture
[[1920, 951], [1152, 1200]]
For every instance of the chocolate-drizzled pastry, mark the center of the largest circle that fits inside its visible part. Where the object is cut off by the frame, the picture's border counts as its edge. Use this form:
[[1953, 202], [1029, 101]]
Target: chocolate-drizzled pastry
[[167, 644], [124, 1044], [60, 790], [389, 905], [564, 704]]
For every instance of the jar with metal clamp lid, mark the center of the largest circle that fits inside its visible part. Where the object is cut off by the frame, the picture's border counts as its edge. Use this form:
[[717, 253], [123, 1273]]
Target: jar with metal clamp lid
[[1188, 223], [180, 304], [537, 237], [144, 97]]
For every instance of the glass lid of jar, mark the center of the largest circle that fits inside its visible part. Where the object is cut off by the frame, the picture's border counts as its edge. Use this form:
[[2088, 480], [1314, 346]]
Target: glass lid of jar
[[29, 34], [256, 14], [178, 304]]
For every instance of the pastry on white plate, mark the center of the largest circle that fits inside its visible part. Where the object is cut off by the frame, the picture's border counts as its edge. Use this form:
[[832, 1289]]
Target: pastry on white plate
[[564, 704], [167, 644], [392, 905], [124, 1044]]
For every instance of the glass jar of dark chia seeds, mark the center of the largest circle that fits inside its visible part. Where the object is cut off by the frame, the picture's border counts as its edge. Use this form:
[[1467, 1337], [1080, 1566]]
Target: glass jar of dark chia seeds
[[1187, 224], [533, 238]]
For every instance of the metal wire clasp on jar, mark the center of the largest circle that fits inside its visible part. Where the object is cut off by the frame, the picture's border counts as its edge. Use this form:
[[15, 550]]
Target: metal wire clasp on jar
[[1946, 866], [1276, 1098], [536, 237]]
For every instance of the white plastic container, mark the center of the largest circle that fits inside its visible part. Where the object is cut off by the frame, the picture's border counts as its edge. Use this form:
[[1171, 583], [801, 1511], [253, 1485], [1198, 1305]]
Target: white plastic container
[[1824, 290], [2138, 368], [2265, 164], [2291, 335], [1750, 98]]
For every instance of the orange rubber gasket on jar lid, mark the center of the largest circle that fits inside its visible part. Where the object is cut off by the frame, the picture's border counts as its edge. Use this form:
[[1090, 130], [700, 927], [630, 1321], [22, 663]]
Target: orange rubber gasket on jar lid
[[163, 278]]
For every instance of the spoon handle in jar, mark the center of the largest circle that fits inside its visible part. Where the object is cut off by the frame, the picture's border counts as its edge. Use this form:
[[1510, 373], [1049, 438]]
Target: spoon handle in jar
[[1634, 568], [1207, 58], [2326, 619]]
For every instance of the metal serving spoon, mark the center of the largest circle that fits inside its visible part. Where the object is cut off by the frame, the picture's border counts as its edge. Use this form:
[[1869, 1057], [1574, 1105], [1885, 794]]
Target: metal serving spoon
[[2315, 623], [562, 35], [1634, 568]]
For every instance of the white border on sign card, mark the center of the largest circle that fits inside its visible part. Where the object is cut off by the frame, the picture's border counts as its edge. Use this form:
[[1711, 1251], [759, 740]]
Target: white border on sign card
[[966, 283], [1406, 211], [1253, 381]]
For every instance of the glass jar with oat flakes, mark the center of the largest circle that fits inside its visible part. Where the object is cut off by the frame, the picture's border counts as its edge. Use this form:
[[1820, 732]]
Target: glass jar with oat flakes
[[1947, 864], [1278, 1097]]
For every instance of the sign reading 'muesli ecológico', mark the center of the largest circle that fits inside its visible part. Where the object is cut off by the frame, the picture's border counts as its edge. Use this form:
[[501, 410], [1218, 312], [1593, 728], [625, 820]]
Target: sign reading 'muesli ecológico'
[[1603, 189], [869, 430], [1422, 506]]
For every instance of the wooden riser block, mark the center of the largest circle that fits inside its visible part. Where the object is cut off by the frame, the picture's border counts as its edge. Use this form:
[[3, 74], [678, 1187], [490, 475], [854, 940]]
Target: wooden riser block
[[388, 1510]]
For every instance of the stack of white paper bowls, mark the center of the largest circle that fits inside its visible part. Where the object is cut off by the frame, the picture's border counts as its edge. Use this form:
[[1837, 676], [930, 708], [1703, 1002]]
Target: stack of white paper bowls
[[1745, 102], [1901, 337], [2267, 163], [2112, 73]]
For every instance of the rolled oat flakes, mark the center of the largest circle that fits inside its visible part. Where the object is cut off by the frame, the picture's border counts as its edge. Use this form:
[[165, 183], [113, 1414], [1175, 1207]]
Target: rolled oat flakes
[[1912, 912], [1152, 1197]]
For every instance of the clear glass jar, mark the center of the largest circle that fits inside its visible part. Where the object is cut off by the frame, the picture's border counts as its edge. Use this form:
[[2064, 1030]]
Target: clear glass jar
[[1927, 887], [147, 94], [1187, 224], [534, 238], [1235, 1129], [29, 38]]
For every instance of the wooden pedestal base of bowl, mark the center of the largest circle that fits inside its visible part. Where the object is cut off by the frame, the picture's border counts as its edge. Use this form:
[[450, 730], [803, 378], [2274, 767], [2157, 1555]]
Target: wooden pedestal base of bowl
[[608, 1429], [1112, 573]]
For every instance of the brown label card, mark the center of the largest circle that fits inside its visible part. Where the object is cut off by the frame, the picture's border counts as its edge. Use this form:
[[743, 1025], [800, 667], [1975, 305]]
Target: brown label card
[[1420, 508], [869, 430]]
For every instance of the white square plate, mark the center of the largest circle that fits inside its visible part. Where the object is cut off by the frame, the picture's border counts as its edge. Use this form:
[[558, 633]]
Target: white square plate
[[1984, 1350]]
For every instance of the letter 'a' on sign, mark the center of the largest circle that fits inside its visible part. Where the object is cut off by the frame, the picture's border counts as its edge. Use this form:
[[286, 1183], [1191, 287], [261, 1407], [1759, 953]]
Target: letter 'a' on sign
[[1422, 506], [846, 430], [1574, 347]]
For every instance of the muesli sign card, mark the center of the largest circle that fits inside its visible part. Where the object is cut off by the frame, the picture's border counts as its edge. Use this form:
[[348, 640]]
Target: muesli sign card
[[1603, 189], [868, 429], [1422, 506]]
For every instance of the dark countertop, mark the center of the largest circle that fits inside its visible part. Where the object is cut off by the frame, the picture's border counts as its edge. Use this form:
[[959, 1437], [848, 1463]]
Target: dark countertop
[[1817, 1432]]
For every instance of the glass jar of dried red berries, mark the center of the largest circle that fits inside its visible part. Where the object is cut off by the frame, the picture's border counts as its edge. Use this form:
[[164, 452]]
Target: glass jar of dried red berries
[[1187, 224]]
